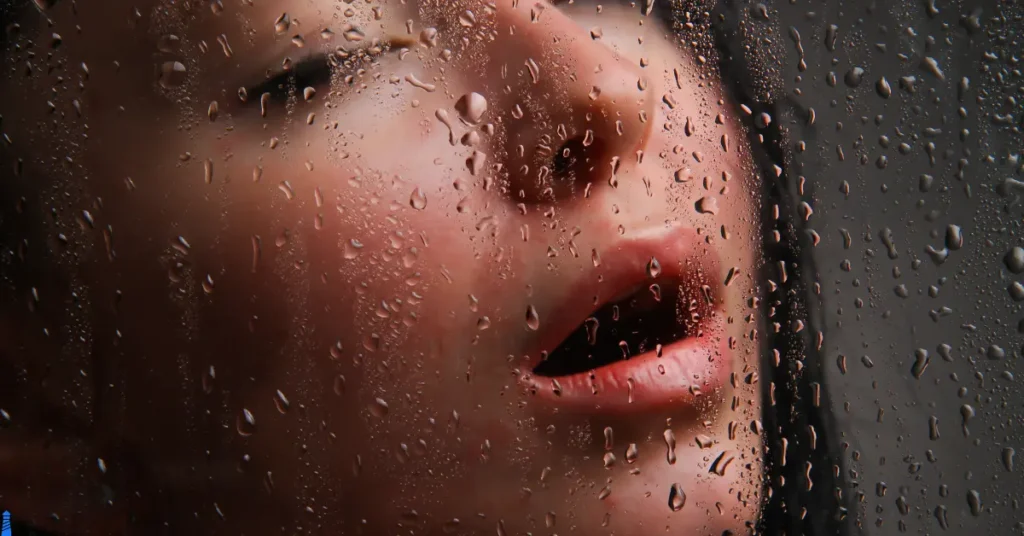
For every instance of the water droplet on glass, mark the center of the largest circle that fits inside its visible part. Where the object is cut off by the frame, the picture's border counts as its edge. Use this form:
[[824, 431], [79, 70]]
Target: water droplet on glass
[[653, 268], [883, 88], [467, 19], [932, 66], [1014, 260], [933, 428], [533, 69], [471, 107], [632, 452], [168, 43], [921, 361], [707, 205], [172, 74], [418, 199], [954, 237], [429, 37], [208, 378], [281, 402], [282, 23], [974, 502], [371, 342], [379, 408], [854, 77], [532, 318], [966, 413], [1016, 290], [676, 498], [591, 324], [245, 423], [670, 445], [352, 249]]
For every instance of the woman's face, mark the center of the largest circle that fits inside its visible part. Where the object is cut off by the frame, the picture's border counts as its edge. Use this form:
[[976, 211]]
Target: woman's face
[[489, 268]]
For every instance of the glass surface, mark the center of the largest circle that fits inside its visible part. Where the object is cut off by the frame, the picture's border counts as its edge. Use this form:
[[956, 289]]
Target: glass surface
[[510, 267]]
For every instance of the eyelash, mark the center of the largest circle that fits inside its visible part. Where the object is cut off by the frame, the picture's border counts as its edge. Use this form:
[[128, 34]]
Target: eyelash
[[314, 71]]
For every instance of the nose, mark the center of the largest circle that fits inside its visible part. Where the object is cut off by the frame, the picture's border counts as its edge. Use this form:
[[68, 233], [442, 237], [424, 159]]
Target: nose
[[574, 112]]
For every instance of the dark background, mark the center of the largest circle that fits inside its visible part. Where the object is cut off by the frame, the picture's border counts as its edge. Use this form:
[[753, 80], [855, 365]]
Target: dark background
[[912, 459]]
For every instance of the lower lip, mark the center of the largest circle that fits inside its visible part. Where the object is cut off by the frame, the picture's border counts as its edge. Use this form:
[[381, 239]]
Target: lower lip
[[687, 371]]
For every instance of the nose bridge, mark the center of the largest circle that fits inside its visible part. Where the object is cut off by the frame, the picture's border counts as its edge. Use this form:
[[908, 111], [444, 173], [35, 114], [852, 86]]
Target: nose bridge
[[567, 96]]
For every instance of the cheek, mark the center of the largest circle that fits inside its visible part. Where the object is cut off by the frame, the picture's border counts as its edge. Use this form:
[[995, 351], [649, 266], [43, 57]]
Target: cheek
[[702, 503]]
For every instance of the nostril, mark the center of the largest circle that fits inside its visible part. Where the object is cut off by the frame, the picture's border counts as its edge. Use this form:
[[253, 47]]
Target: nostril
[[577, 158]]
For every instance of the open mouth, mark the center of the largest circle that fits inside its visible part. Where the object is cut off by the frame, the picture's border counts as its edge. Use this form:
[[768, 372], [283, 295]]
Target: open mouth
[[648, 319], [644, 331]]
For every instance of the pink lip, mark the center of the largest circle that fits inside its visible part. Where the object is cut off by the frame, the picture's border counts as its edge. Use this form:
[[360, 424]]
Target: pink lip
[[687, 369]]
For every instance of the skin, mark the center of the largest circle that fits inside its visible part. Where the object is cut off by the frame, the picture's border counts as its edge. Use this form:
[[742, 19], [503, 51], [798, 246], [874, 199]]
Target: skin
[[146, 331]]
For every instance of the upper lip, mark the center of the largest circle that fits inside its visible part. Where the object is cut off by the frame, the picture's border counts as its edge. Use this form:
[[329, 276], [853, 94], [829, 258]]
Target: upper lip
[[688, 366]]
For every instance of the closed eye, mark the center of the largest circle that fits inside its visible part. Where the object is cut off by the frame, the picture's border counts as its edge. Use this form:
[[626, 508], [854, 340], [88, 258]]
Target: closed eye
[[313, 71], [316, 70]]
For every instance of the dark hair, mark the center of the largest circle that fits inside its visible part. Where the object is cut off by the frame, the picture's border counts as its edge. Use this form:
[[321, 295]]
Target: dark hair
[[804, 480]]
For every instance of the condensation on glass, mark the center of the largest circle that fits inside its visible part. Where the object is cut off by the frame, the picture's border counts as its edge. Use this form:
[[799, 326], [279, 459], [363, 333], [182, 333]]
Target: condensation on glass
[[512, 267]]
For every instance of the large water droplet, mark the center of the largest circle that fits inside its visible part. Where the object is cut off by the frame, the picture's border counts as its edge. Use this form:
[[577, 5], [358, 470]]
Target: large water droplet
[[921, 361], [352, 249], [591, 325], [471, 107], [942, 517], [632, 452], [854, 76], [281, 402], [707, 205], [1014, 260], [653, 268], [670, 445], [418, 199], [883, 88], [428, 37], [676, 498], [168, 43], [532, 318], [282, 23], [245, 423], [974, 502], [931, 65], [379, 408], [172, 74]]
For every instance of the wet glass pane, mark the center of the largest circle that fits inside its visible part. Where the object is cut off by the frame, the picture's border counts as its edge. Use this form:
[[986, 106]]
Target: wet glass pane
[[510, 267]]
